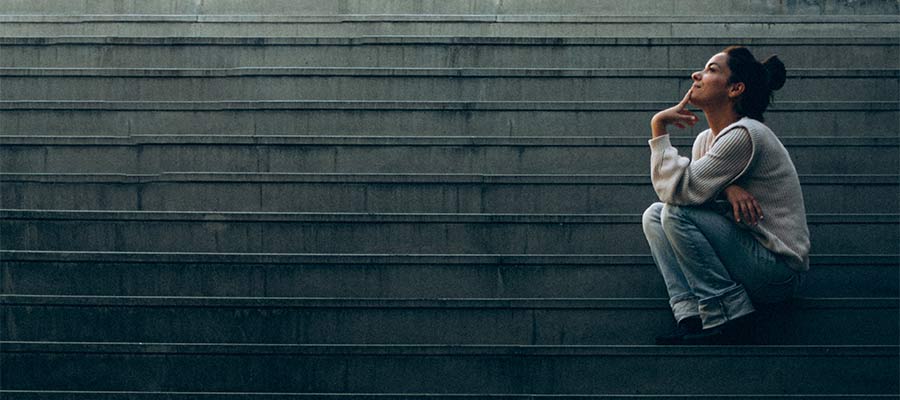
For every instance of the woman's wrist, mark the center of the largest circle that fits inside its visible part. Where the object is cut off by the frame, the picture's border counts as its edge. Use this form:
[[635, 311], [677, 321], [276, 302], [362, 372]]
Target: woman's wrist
[[657, 128]]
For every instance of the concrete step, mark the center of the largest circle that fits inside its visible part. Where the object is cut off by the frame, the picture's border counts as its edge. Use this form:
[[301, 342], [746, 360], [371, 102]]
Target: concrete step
[[162, 395], [410, 118], [396, 193], [460, 7], [442, 84], [436, 52], [449, 369], [154, 154], [238, 232], [392, 276], [450, 25], [414, 321]]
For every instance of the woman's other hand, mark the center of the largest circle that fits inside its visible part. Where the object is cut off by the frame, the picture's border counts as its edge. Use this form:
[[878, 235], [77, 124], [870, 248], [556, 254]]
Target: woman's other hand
[[677, 115], [744, 205]]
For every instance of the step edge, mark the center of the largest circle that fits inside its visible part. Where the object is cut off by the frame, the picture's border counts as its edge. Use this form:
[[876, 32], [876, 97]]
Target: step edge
[[493, 259], [891, 351], [246, 216], [402, 72], [805, 303], [386, 140], [457, 40], [394, 178]]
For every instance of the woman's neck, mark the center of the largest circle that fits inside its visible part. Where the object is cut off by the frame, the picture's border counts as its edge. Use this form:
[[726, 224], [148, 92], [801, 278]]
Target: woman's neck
[[718, 119]]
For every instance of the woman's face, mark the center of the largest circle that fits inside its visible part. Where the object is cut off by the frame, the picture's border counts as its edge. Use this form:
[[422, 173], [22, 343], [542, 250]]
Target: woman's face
[[711, 85]]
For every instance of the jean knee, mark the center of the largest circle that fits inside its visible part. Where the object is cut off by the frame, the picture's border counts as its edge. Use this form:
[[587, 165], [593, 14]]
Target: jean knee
[[668, 215], [673, 215], [652, 216], [670, 211]]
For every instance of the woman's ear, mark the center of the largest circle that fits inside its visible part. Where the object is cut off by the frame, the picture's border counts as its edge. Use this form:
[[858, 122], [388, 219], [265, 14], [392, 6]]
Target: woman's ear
[[736, 90]]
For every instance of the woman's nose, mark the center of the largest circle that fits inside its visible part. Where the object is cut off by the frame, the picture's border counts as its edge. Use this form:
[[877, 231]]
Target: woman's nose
[[696, 76]]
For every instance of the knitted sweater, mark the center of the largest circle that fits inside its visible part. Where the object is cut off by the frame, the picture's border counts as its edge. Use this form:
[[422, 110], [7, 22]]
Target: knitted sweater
[[746, 153]]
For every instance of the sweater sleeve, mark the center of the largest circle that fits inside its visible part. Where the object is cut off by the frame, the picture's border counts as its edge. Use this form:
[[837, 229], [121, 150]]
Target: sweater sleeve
[[678, 180], [697, 150]]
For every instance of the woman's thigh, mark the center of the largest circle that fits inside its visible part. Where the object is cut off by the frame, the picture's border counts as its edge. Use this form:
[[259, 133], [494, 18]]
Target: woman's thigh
[[763, 274]]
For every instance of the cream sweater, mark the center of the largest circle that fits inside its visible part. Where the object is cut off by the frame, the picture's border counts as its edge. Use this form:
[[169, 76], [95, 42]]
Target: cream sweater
[[746, 153]]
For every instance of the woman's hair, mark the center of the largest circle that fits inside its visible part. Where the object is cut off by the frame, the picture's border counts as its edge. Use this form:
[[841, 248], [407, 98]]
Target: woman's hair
[[760, 80]]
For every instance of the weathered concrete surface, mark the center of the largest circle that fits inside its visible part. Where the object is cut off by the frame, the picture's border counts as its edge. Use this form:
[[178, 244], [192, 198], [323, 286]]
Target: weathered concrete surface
[[393, 276], [453, 369], [388, 233], [398, 193], [437, 52]]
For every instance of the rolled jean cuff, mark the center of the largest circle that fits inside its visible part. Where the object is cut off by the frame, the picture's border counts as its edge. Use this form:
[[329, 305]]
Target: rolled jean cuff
[[685, 307], [731, 305]]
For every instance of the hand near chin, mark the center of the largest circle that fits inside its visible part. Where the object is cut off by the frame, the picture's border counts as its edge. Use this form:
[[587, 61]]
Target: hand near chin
[[677, 115]]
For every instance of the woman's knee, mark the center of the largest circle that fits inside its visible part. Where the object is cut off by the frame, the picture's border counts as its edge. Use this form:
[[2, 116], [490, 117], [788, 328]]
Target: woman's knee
[[670, 215], [652, 215], [674, 215], [671, 211]]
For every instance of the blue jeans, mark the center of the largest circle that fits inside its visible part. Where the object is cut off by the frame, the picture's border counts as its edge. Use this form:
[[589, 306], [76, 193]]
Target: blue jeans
[[712, 267]]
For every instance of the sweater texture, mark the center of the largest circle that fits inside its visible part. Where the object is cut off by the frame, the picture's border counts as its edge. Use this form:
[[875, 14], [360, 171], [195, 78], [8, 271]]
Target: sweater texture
[[748, 154]]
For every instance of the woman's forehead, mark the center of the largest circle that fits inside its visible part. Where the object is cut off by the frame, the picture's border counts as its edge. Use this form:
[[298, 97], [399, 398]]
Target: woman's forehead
[[721, 59]]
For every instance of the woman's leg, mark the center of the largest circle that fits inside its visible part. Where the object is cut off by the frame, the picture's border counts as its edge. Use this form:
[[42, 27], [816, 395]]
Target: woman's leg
[[682, 300], [723, 264]]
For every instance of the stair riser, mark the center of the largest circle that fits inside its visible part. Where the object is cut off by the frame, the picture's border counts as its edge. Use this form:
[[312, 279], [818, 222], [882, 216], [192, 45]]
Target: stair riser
[[414, 88], [39, 395], [763, 29], [437, 55], [472, 159], [480, 325], [386, 373], [396, 197], [380, 280], [522, 7], [218, 234], [412, 122]]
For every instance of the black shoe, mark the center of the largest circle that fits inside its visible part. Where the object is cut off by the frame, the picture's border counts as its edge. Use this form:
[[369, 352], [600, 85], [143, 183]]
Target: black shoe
[[687, 326], [735, 332]]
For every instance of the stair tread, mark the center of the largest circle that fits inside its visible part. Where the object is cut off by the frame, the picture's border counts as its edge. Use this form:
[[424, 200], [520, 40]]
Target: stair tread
[[435, 396], [451, 349], [454, 7], [207, 216], [542, 141], [455, 25], [448, 40], [364, 217], [400, 178], [156, 72], [438, 18], [75, 105], [448, 303], [888, 260]]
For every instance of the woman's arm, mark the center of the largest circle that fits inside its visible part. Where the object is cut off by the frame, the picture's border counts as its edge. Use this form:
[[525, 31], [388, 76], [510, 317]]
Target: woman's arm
[[678, 180]]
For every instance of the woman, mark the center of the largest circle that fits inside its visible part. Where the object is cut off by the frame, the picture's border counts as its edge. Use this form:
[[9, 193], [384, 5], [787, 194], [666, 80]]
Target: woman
[[717, 262]]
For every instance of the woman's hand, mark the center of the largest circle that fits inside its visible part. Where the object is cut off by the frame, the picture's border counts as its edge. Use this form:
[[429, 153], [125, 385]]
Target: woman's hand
[[678, 115], [744, 205]]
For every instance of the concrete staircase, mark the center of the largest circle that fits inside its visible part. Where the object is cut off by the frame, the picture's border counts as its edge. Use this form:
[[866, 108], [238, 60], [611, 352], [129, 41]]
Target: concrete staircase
[[398, 199]]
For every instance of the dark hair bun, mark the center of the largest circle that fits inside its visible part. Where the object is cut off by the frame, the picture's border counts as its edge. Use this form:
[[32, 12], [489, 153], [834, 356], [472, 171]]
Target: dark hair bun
[[775, 72]]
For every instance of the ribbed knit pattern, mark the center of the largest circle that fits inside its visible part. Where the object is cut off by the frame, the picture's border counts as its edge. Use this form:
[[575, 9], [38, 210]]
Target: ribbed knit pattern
[[746, 153]]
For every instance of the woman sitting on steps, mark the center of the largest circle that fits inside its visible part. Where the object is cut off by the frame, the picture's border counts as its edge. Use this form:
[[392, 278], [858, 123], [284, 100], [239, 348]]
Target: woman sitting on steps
[[718, 261]]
